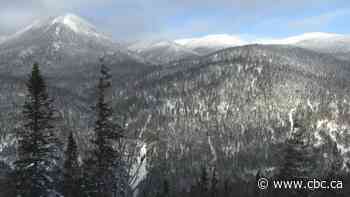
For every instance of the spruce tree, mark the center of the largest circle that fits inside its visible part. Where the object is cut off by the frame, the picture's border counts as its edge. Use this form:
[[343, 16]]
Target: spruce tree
[[110, 177], [166, 188], [298, 152], [337, 162], [214, 184], [203, 184], [334, 171], [296, 157], [38, 145], [71, 185]]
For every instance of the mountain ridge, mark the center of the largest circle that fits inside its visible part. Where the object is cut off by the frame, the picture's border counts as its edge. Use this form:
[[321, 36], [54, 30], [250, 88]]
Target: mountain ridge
[[161, 51]]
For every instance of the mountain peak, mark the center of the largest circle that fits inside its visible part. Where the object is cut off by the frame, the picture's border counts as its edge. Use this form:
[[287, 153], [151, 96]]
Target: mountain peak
[[75, 23], [71, 21]]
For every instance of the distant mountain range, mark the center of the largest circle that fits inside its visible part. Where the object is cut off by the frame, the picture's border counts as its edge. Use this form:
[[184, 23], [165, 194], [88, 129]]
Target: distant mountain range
[[336, 44], [211, 43], [162, 51]]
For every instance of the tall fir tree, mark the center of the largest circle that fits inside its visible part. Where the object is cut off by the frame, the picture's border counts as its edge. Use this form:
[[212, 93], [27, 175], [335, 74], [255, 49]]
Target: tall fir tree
[[110, 177], [72, 172], [38, 144]]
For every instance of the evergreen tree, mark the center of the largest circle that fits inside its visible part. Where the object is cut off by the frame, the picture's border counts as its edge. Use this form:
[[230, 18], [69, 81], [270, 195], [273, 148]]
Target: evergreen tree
[[203, 184], [337, 162], [71, 186], [214, 184], [38, 144], [6, 180], [297, 159], [335, 171], [110, 173], [166, 188]]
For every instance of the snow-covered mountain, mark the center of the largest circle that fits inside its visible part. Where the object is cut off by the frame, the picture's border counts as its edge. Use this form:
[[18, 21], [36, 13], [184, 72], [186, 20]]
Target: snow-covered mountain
[[336, 44], [161, 51], [211, 43], [293, 40], [60, 25], [60, 42]]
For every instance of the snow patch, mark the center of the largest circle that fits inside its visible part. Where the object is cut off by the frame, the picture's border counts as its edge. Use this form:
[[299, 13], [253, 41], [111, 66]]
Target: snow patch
[[214, 41], [291, 118], [139, 168], [56, 45], [76, 24], [212, 150], [26, 52]]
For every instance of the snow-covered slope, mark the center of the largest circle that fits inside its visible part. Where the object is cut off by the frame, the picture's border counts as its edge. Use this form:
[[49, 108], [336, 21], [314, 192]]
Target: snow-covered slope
[[211, 43], [61, 42], [78, 25], [161, 51], [68, 21], [319, 41], [336, 44]]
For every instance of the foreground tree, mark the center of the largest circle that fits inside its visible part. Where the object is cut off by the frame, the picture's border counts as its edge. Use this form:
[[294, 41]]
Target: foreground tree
[[38, 145], [109, 173], [71, 186]]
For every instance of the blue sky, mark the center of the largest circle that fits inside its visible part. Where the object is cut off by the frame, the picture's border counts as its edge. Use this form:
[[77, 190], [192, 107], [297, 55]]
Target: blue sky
[[171, 19]]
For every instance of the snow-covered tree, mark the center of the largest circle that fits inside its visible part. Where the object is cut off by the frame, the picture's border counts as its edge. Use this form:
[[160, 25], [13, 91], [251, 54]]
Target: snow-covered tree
[[38, 144]]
